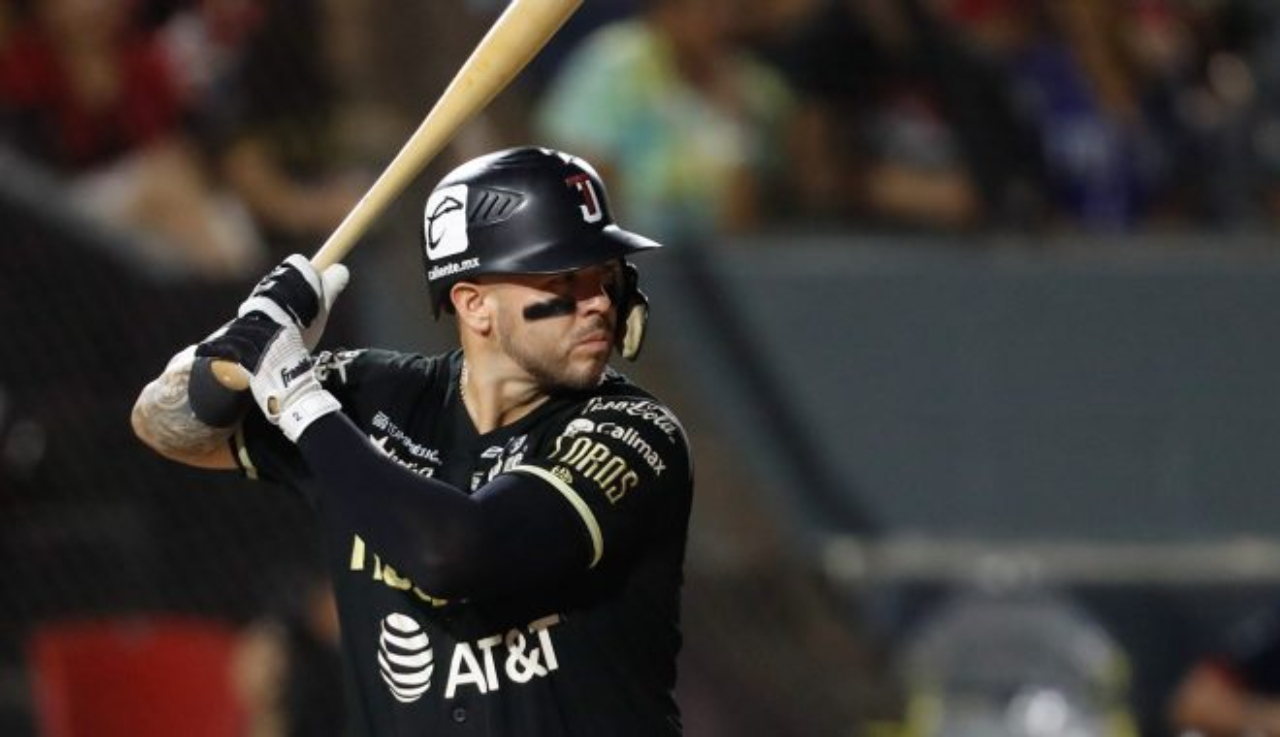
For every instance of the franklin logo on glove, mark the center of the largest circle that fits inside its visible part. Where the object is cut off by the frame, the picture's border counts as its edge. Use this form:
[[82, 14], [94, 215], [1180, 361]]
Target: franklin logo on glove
[[290, 374]]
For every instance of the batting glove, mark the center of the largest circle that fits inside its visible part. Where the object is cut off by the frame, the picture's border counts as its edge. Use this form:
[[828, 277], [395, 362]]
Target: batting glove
[[243, 340], [281, 380], [240, 341], [294, 293], [285, 386]]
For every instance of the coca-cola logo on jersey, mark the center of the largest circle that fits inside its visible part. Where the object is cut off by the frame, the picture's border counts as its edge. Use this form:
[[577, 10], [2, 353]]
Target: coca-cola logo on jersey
[[642, 409]]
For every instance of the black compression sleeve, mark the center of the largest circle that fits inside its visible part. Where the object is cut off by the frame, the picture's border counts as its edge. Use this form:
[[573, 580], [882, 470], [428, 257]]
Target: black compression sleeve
[[512, 533]]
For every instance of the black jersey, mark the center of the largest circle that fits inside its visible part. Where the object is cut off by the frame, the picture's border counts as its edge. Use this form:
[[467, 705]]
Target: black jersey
[[593, 656]]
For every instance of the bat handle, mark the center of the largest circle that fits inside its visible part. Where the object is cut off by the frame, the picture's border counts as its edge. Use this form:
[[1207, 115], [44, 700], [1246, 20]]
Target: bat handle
[[216, 391], [230, 374]]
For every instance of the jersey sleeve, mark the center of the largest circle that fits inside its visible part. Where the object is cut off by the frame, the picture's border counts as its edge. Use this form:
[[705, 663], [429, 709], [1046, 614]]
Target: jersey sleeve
[[620, 463]]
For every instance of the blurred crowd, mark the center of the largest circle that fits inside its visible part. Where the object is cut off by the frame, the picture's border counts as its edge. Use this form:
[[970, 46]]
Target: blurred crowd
[[934, 115], [203, 127], [226, 132]]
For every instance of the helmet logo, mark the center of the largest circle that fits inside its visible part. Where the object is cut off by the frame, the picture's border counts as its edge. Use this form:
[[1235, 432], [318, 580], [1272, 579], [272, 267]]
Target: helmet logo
[[590, 207], [444, 223]]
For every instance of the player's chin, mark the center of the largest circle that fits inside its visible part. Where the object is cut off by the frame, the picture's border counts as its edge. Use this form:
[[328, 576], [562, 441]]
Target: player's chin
[[588, 360]]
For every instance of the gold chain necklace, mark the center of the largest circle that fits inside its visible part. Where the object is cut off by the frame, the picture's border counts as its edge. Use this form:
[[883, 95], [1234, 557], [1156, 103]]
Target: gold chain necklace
[[462, 384]]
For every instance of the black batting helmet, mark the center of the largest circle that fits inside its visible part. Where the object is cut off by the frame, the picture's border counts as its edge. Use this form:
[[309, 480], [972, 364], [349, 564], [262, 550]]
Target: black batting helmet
[[527, 210]]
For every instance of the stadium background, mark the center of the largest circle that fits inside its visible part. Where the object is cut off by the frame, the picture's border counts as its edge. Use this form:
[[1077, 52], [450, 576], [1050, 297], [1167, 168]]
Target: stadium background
[[969, 464]]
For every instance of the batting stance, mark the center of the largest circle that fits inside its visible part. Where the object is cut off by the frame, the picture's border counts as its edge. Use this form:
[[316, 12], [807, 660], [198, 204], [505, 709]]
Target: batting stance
[[505, 523]]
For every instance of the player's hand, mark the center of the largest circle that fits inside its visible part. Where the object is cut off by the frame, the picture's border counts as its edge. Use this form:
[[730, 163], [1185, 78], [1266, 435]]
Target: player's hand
[[285, 386], [294, 293], [243, 341]]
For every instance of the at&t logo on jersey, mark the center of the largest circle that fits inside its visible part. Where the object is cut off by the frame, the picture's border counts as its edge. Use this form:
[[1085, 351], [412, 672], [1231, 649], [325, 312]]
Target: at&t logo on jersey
[[406, 660]]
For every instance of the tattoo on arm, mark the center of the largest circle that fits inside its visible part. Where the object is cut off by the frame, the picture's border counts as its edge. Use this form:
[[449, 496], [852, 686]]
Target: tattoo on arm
[[163, 416]]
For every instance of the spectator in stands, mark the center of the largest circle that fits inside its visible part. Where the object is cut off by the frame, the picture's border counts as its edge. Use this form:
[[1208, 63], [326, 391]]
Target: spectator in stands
[[1225, 100], [1149, 112], [268, 113], [87, 92], [1235, 689], [691, 127], [1106, 165], [1259, 22], [588, 18], [906, 126]]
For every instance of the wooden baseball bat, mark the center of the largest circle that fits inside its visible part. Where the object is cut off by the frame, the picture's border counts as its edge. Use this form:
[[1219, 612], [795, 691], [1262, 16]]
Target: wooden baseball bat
[[513, 40]]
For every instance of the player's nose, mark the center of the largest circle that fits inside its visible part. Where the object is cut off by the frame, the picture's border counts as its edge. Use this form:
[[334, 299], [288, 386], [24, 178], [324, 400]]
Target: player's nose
[[597, 301], [594, 293]]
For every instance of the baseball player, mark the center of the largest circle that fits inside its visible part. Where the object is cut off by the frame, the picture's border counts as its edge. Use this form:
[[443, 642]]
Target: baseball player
[[505, 523]]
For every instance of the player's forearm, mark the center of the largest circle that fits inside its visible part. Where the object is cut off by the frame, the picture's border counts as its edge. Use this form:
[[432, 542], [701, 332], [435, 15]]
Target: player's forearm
[[162, 418]]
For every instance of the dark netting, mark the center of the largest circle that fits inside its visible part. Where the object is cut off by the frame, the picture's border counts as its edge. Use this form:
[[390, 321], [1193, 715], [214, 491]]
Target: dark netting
[[92, 523]]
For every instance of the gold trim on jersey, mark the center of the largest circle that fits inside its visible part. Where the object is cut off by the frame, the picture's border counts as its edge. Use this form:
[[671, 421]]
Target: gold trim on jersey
[[242, 454], [568, 492]]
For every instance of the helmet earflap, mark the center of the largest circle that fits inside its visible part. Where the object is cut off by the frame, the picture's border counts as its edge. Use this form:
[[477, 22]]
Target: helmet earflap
[[633, 313]]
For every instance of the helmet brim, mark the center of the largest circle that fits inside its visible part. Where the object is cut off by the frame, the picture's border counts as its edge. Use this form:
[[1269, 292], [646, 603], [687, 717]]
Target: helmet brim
[[626, 241], [609, 243]]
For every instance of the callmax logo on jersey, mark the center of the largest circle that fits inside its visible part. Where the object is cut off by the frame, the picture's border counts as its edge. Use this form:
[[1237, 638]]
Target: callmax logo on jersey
[[580, 426], [632, 439], [626, 435], [643, 409], [406, 661]]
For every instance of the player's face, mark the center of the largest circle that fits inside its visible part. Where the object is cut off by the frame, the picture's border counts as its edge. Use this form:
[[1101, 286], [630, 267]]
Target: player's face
[[559, 328]]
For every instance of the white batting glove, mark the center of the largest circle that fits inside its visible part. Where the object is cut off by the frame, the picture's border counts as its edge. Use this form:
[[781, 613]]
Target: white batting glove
[[285, 386], [294, 293]]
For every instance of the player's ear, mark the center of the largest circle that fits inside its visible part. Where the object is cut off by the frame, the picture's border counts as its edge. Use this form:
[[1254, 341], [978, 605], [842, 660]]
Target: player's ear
[[474, 311]]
